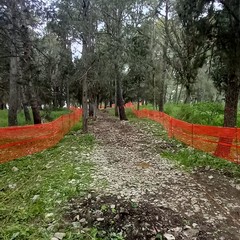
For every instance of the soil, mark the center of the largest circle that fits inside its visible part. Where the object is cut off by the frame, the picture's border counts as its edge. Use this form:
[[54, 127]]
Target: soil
[[140, 195]]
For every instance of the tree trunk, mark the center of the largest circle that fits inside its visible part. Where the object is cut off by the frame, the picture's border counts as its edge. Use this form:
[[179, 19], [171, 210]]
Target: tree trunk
[[120, 102], [95, 107], [25, 105], [161, 95], [164, 66], [13, 78], [230, 116], [231, 102], [188, 94], [116, 99], [85, 104], [34, 105], [68, 95], [14, 89], [86, 53], [105, 104]]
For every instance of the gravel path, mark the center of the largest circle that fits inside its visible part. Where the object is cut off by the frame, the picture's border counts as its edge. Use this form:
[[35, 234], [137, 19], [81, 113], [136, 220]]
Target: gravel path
[[127, 158]]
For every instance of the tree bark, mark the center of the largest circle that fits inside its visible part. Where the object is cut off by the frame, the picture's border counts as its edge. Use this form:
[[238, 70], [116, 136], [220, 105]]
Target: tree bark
[[14, 90], [25, 105], [85, 104], [188, 94], [120, 102], [86, 40], [231, 102], [27, 63], [161, 95], [230, 116], [164, 67], [116, 99], [13, 78], [34, 105]]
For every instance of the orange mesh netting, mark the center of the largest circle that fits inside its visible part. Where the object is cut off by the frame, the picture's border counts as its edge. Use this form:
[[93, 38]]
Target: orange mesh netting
[[16, 142], [219, 141]]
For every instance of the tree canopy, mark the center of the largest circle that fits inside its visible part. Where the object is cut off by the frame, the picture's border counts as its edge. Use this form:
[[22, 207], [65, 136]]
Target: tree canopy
[[132, 50]]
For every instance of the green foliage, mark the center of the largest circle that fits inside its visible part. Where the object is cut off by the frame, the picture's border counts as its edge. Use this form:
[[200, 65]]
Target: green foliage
[[204, 113], [198, 113], [33, 208], [46, 115]]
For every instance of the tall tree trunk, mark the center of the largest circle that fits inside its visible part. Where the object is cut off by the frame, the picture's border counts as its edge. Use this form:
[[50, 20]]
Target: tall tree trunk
[[120, 102], [116, 99], [188, 94], [68, 95], [85, 89], [86, 40], [28, 62], [14, 90], [85, 104], [14, 60], [231, 102], [34, 105], [164, 67], [230, 116], [161, 95], [25, 105]]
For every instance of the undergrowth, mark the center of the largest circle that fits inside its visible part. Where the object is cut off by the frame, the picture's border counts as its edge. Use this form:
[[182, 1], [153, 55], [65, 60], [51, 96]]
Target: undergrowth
[[34, 190]]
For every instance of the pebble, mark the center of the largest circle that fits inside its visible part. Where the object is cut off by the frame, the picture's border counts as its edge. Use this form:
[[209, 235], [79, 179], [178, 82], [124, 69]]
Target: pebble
[[15, 169], [169, 236], [48, 215], [12, 186], [35, 198], [59, 235], [83, 220]]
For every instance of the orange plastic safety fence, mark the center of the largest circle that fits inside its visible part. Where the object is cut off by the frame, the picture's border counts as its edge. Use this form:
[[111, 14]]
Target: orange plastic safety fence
[[219, 141], [16, 142]]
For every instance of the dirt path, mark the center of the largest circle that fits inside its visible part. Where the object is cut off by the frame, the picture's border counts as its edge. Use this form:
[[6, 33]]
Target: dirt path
[[166, 200]]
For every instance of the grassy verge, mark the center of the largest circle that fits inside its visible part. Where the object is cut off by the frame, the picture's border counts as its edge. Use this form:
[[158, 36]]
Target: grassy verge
[[48, 116], [185, 156], [204, 113], [35, 189]]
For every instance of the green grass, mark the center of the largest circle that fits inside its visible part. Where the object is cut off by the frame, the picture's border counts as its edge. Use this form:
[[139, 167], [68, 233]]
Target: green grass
[[33, 198], [204, 113], [183, 155], [48, 116]]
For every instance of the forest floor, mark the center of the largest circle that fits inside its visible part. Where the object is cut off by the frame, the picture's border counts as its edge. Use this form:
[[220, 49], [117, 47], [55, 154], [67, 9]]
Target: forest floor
[[137, 194]]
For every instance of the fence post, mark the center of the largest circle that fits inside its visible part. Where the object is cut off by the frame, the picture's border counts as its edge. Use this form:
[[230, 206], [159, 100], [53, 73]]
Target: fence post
[[192, 135], [237, 143], [69, 122], [170, 134], [62, 127]]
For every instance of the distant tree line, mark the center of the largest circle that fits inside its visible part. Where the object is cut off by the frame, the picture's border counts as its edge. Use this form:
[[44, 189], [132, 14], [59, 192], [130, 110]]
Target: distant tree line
[[154, 51]]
